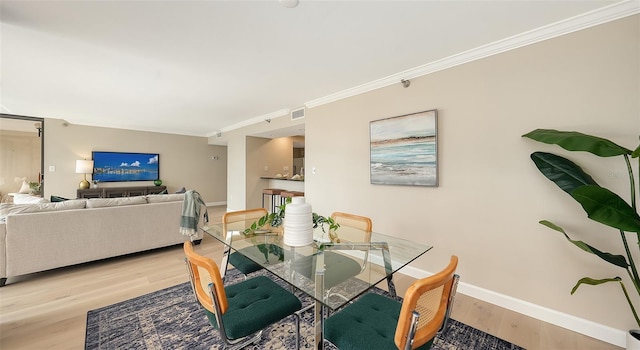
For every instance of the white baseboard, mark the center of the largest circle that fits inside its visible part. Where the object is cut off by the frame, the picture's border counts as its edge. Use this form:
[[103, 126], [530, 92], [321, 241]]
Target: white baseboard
[[215, 204], [589, 328]]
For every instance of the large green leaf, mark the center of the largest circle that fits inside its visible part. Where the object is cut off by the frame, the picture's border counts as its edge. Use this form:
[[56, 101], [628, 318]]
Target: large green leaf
[[618, 260], [576, 141], [594, 282], [563, 172], [636, 152], [607, 208]]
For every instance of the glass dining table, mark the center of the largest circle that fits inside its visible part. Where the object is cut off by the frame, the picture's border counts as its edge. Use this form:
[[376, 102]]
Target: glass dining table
[[332, 274]]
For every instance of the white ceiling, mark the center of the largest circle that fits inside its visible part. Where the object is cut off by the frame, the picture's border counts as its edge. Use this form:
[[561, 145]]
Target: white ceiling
[[196, 67]]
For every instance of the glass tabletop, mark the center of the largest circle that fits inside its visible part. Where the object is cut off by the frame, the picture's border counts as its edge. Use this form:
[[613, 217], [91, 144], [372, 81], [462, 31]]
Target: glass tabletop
[[331, 273]]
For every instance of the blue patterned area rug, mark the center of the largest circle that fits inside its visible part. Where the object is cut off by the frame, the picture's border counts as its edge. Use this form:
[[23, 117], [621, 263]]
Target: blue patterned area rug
[[172, 319]]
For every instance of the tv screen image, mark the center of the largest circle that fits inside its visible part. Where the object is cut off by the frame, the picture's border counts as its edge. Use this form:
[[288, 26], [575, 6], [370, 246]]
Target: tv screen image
[[122, 166]]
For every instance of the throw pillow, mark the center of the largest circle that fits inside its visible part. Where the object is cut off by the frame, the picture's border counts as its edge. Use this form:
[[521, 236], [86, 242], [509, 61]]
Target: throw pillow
[[58, 199], [25, 187]]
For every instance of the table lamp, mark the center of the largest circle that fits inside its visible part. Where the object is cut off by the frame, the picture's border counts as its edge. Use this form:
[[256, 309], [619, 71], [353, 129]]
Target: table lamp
[[85, 167]]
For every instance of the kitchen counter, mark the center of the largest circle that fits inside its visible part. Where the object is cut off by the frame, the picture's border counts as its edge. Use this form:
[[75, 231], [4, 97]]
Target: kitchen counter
[[281, 178], [282, 183]]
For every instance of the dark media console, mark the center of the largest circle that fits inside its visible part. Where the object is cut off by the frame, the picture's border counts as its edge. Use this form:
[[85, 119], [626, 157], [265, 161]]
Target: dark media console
[[114, 192]]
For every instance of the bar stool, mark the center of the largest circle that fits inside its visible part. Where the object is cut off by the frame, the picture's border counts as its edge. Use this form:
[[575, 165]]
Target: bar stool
[[273, 193], [288, 194]]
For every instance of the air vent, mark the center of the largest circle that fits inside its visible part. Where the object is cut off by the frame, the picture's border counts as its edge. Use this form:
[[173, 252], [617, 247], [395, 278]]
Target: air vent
[[297, 113]]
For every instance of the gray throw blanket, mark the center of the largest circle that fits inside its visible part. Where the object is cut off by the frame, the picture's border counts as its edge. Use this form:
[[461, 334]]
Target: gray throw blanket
[[191, 214]]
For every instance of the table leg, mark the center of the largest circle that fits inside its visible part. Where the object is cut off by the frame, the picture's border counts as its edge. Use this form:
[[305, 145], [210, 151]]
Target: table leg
[[388, 268], [225, 255], [318, 310], [224, 261]]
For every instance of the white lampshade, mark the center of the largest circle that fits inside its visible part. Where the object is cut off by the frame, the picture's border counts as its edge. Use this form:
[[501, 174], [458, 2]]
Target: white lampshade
[[84, 166]]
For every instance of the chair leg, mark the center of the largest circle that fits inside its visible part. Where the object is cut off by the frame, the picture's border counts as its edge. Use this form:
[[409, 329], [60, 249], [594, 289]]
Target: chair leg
[[297, 317]]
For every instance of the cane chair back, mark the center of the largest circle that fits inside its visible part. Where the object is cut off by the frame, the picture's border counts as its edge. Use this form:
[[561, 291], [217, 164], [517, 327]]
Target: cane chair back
[[238, 221], [432, 299]]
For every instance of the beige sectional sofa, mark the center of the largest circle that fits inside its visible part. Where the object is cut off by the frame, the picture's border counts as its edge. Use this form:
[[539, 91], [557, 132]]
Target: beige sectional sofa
[[38, 237]]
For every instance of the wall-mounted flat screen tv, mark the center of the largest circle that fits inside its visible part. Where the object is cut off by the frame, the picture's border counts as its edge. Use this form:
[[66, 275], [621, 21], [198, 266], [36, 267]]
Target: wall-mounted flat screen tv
[[122, 166]]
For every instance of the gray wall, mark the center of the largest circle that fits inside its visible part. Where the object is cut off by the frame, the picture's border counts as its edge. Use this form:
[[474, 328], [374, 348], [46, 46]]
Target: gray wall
[[184, 160]]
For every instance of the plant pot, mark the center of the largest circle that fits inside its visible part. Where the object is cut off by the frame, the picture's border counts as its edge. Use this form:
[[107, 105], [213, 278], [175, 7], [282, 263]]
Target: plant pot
[[633, 339], [298, 223]]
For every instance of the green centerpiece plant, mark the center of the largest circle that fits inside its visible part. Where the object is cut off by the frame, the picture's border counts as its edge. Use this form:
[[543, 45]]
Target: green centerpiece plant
[[600, 204], [276, 219]]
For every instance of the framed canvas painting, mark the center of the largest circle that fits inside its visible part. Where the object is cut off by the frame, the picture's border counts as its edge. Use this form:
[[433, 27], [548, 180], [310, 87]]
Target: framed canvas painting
[[404, 150]]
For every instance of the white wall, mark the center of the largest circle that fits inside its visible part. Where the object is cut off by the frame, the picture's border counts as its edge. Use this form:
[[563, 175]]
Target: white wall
[[491, 196]]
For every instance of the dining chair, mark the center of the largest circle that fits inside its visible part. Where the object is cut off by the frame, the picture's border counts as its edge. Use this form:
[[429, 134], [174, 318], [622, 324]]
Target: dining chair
[[238, 220], [378, 322], [242, 310], [353, 228]]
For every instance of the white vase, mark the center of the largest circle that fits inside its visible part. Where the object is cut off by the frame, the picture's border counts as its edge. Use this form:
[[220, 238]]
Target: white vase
[[298, 223], [633, 339]]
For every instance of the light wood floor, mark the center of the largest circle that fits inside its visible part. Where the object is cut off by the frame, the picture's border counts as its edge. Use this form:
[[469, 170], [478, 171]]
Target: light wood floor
[[48, 310]]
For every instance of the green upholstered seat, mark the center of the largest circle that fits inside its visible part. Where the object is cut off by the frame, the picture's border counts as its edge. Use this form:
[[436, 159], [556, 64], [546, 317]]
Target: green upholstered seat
[[244, 264], [338, 268], [268, 252], [370, 323], [253, 305]]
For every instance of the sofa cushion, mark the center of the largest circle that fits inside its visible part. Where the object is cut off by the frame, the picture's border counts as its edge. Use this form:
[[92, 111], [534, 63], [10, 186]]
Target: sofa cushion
[[23, 198], [159, 198], [8, 209], [114, 202]]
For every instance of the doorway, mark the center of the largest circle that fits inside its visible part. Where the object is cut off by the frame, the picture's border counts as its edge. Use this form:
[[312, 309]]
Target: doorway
[[21, 154]]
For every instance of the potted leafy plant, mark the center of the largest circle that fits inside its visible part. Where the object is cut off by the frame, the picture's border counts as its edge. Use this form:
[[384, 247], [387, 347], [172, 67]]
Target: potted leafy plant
[[276, 219], [35, 187], [600, 204]]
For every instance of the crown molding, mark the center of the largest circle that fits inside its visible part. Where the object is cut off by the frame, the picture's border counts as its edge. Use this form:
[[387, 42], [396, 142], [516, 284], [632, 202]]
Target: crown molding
[[256, 120], [569, 25], [589, 19]]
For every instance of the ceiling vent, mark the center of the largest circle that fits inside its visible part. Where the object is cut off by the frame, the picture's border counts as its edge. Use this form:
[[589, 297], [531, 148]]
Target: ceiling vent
[[297, 113]]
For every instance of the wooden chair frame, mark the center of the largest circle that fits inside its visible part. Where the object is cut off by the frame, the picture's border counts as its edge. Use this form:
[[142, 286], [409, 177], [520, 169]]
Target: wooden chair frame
[[236, 216], [409, 331]]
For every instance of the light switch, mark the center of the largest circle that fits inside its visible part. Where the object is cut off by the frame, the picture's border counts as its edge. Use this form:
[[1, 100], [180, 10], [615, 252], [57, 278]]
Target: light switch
[[52, 168]]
